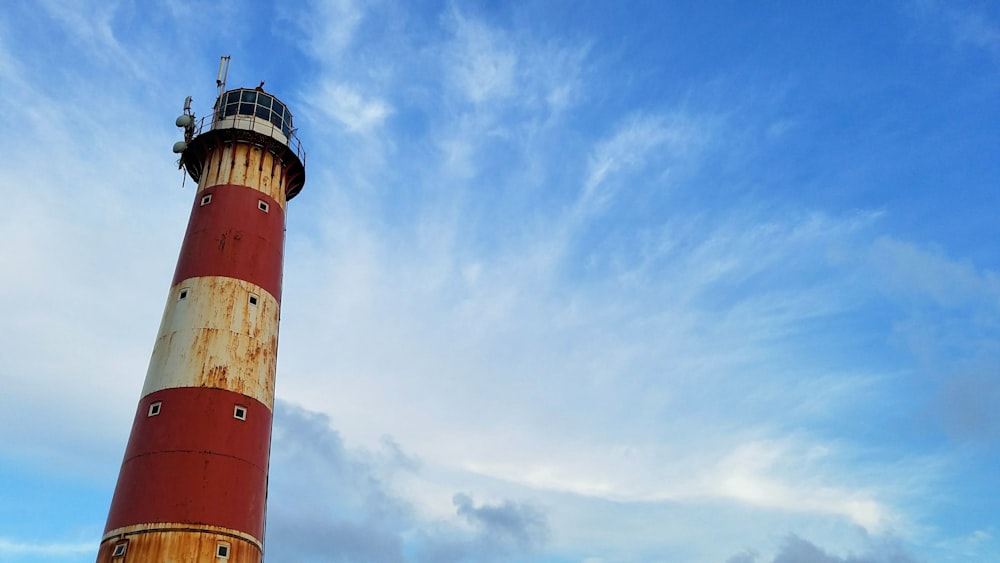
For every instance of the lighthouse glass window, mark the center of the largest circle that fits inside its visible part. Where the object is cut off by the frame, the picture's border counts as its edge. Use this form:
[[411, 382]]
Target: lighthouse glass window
[[248, 99], [257, 104]]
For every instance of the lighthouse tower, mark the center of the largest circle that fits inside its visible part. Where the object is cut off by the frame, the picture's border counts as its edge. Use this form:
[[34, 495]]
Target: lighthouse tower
[[193, 482]]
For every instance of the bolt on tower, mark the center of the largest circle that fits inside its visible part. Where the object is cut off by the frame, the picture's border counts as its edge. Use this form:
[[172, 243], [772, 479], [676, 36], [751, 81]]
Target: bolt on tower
[[193, 482]]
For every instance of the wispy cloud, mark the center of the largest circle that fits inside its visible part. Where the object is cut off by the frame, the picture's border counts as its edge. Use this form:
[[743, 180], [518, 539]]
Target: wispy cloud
[[326, 27], [925, 275], [93, 27], [483, 66], [663, 319], [748, 475], [497, 69], [16, 548], [637, 142], [346, 105]]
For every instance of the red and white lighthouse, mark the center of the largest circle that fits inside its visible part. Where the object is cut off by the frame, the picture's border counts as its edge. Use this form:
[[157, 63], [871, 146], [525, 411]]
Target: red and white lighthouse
[[193, 482]]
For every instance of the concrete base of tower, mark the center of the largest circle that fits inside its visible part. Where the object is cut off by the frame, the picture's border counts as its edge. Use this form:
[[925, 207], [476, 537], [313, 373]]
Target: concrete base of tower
[[169, 542]]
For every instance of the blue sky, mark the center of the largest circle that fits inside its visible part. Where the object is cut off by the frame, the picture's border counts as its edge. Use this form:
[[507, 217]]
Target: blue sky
[[568, 282]]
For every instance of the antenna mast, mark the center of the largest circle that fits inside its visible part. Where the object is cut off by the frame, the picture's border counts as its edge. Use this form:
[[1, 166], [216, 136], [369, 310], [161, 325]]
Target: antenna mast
[[223, 72]]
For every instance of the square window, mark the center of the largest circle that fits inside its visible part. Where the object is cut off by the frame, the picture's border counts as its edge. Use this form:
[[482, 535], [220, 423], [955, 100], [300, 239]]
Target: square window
[[222, 551], [206, 199], [119, 549], [262, 205], [183, 294], [154, 409], [253, 299], [240, 412]]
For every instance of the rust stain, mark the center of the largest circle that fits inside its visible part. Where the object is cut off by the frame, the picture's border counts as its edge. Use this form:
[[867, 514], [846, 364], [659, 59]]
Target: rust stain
[[258, 172], [216, 377], [217, 339], [179, 544]]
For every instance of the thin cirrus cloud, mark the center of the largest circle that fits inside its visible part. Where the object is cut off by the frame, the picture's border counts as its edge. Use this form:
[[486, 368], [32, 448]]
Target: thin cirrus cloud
[[539, 262], [350, 108], [15, 549]]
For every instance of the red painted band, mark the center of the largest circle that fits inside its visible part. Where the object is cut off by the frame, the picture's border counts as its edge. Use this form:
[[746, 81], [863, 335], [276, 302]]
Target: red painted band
[[195, 463], [230, 236]]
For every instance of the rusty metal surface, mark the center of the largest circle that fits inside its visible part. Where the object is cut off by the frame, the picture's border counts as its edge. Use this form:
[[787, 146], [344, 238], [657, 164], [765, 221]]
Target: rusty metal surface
[[231, 236], [127, 531], [177, 542], [194, 462], [247, 165], [214, 337], [206, 154]]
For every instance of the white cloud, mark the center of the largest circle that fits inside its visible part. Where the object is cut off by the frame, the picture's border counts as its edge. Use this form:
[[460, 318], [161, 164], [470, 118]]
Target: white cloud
[[346, 105], [16, 548], [908, 271], [93, 24], [594, 366], [327, 27], [338, 503], [748, 475], [638, 140], [483, 63], [500, 71]]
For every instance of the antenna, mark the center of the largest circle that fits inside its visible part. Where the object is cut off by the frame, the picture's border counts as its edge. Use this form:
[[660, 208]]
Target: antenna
[[220, 81], [185, 121]]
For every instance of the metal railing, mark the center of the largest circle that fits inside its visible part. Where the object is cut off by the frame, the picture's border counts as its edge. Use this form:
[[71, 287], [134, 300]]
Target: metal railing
[[256, 124]]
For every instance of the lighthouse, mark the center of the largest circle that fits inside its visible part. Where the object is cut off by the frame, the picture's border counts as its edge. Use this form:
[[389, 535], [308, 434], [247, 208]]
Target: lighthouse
[[193, 481]]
